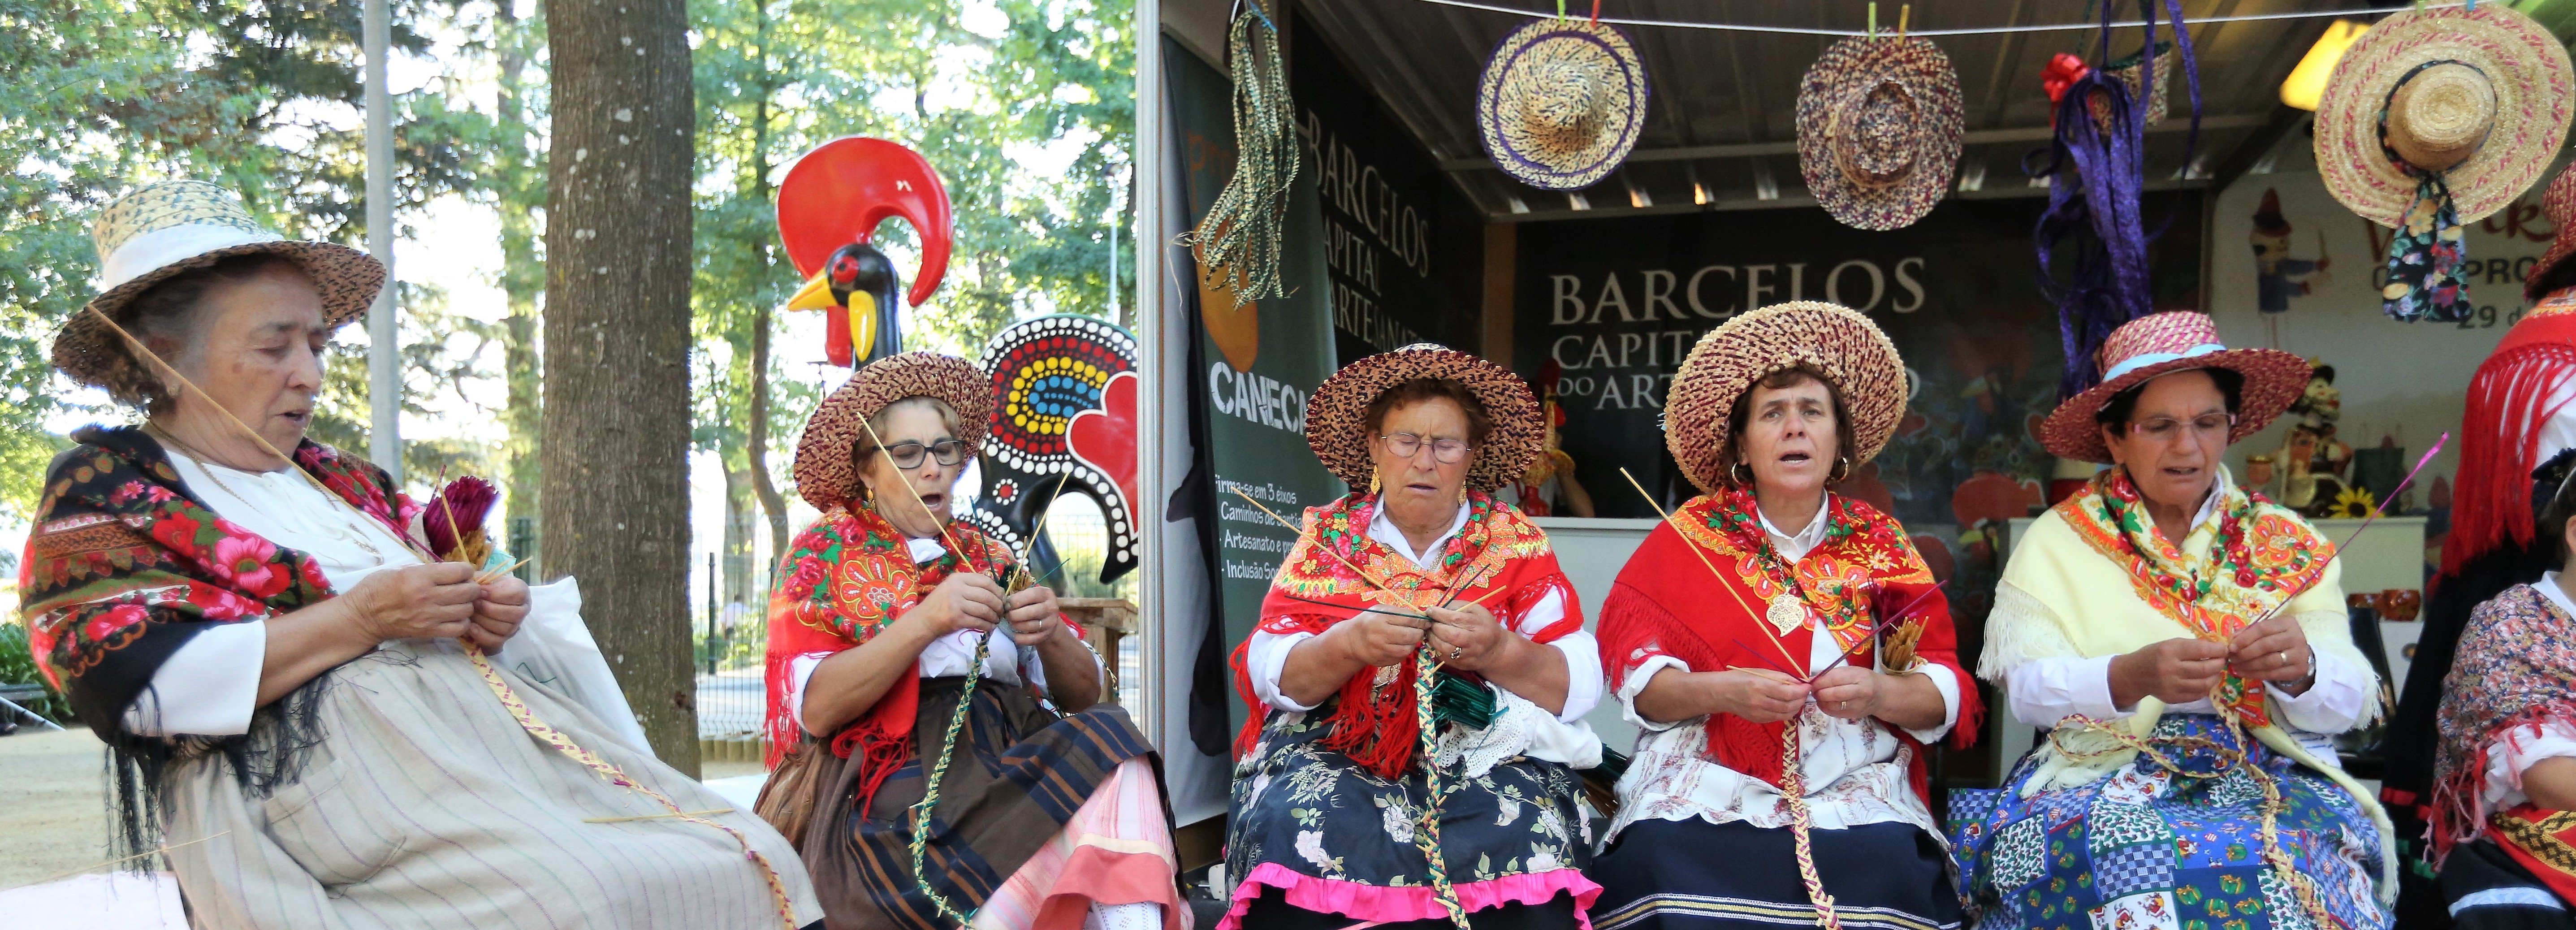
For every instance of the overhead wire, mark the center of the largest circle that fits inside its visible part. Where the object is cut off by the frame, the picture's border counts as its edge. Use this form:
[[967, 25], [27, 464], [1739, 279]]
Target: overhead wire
[[1987, 30]]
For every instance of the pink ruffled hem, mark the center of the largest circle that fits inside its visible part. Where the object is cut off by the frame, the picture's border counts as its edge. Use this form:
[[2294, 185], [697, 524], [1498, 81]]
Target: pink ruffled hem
[[1383, 904]]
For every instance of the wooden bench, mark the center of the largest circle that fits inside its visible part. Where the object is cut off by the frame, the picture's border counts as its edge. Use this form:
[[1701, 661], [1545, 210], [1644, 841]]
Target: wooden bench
[[1105, 621]]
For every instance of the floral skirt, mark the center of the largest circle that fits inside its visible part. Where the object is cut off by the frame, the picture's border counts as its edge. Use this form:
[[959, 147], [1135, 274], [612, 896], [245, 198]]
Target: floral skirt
[[1332, 837], [2145, 848]]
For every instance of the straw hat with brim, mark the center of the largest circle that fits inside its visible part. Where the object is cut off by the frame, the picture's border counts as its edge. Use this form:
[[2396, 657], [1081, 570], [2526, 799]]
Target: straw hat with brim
[[1855, 358], [2482, 98], [2559, 202], [825, 474], [1878, 130], [1561, 103], [2160, 344], [1337, 416], [164, 229]]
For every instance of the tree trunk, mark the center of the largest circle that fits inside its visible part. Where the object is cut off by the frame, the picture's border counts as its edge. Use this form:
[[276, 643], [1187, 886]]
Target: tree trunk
[[614, 493], [772, 504], [523, 277], [741, 571]]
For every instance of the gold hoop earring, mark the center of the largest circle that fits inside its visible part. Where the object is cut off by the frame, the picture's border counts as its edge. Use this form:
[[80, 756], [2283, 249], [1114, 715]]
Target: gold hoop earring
[[1842, 469], [1740, 474]]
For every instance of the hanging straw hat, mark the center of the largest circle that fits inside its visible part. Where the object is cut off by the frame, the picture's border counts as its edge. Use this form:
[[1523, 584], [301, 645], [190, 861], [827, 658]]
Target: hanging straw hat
[[1856, 359], [2481, 97], [1878, 130], [166, 228], [1561, 103], [2559, 202], [2160, 344], [824, 473], [1336, 417]]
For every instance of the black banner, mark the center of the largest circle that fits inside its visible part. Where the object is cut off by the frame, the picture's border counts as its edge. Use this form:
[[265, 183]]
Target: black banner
[[1618, 303]]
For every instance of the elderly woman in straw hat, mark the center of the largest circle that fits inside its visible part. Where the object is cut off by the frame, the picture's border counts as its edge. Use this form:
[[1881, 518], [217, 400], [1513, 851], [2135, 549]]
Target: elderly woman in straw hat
[[2186, 645], [1359, 795], [1784, 651], [891, 625], [330, 728]]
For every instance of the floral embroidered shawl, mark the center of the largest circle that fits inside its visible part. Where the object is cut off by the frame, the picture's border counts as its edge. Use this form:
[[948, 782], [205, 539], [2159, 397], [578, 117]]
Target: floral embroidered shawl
[[2513, 678], [125, 565], [1500, 556], [1666, 602], [843, 580]]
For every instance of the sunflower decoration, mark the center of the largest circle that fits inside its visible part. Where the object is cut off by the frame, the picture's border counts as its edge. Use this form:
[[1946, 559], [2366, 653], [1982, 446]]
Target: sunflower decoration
[[2353, 504]]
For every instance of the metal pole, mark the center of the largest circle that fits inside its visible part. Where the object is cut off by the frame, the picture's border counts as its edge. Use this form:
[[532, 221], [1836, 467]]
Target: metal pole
[[711, 613], [1147, 156], [1115, 215], [384, 372]]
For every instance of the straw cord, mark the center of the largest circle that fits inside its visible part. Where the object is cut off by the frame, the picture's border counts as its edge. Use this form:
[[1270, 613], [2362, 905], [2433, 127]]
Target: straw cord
[[922, 810], [1970, 31], [501, 689], [1243, 231], [1427, 838], [1793, 789]]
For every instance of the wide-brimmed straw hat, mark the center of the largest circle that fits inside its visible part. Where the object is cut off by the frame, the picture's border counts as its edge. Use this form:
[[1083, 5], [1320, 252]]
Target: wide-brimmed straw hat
[[163, 229], [1337, 416], [2160, 344], [1561, 103], [1878, 130], [1854, 357], [2482, 97], [825, 474], [2559, 202]]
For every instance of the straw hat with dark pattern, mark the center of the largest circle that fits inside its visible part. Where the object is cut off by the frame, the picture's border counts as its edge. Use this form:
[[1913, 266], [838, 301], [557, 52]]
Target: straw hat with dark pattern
[[165, 228], [2481, 97], [1856, 359], [1336, 417], [824, 473], [2559, 202], [1878, 130], [2160, 344], [1561, 103]]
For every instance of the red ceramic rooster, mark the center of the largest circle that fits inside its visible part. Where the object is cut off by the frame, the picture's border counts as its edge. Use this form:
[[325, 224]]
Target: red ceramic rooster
[[829, 206]]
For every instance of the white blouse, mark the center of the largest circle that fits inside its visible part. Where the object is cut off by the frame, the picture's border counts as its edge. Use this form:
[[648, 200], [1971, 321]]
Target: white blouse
[[947, 656], [1851, 770], [1265, 658], [210, 684]]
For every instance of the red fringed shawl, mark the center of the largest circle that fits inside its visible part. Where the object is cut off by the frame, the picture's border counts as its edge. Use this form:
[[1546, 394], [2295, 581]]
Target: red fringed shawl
[[1666, 602], [2511, 397], [1504, 560], [845, 578]]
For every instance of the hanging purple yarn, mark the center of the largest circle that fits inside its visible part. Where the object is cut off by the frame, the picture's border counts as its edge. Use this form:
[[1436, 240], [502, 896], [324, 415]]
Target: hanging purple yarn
[[2097, 172]]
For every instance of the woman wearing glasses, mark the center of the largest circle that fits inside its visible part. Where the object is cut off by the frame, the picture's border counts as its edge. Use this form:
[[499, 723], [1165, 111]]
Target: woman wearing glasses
[[881, 609], [2163, 609], [1335, 817]]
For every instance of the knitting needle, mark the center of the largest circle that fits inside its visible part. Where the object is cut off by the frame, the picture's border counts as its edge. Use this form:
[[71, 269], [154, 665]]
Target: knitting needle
[[1883, 626], [1040, 529], [82, 869], [495, 575], [1759, 622], [2376, 511], [906, 481], [1346, 563], [703, 813], [1365, 610]]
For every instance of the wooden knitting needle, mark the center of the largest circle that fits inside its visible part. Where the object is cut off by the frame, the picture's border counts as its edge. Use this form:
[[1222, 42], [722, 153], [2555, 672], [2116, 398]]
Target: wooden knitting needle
[[1759, 622], [916, 495], [1346, 563], [63, 875], [703, 813], [1040, 530]]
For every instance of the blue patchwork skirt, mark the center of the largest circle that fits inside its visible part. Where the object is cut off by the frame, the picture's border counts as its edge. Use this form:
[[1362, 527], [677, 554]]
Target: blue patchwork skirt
[[2149, 849]]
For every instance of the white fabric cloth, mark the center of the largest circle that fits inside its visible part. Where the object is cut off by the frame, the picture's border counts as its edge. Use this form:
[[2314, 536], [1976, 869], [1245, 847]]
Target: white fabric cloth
[[2043, 691], [1266, 656], [947, 656], [2508, 758], [1855, 771], [209, 686]]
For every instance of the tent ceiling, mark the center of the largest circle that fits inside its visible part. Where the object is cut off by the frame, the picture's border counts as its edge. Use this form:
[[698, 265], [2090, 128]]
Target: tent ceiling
[[1721, 115]]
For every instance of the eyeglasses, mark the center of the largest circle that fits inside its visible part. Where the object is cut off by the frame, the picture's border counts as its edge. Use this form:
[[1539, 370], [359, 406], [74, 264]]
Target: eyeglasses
[[1444, 451], [2205, 427], [908, 455]]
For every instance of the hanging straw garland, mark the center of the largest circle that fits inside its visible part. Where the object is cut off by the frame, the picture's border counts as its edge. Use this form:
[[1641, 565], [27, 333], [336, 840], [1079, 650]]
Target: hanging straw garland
[[508, 696], [1242, 233]]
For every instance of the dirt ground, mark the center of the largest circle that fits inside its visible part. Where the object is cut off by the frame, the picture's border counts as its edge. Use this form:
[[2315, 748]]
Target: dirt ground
[[55, 817]]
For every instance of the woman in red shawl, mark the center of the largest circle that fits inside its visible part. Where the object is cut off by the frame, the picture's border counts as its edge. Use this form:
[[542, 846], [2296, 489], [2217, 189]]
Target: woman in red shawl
[[1358, 795], [1784, 651], [887, 611]]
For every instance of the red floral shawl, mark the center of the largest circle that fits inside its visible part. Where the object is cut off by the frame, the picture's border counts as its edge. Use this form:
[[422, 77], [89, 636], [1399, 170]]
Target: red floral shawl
[[1666, 602], [1502, 557], [845, 578], [124, 565]]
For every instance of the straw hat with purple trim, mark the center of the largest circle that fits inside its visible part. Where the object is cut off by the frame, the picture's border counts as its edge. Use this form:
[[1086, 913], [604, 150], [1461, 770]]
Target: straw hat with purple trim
[[2160, 344], [2559, 202], [825, 474], [1878, 130], [167, 228], [1337, 416], [2481, 97], [1857, 360], [1561, 103]]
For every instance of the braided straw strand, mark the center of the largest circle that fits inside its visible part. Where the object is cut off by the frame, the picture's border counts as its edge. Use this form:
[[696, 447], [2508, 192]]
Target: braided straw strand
[[1243, 231], [1428, 836], [922, 810], [1793, 789]]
